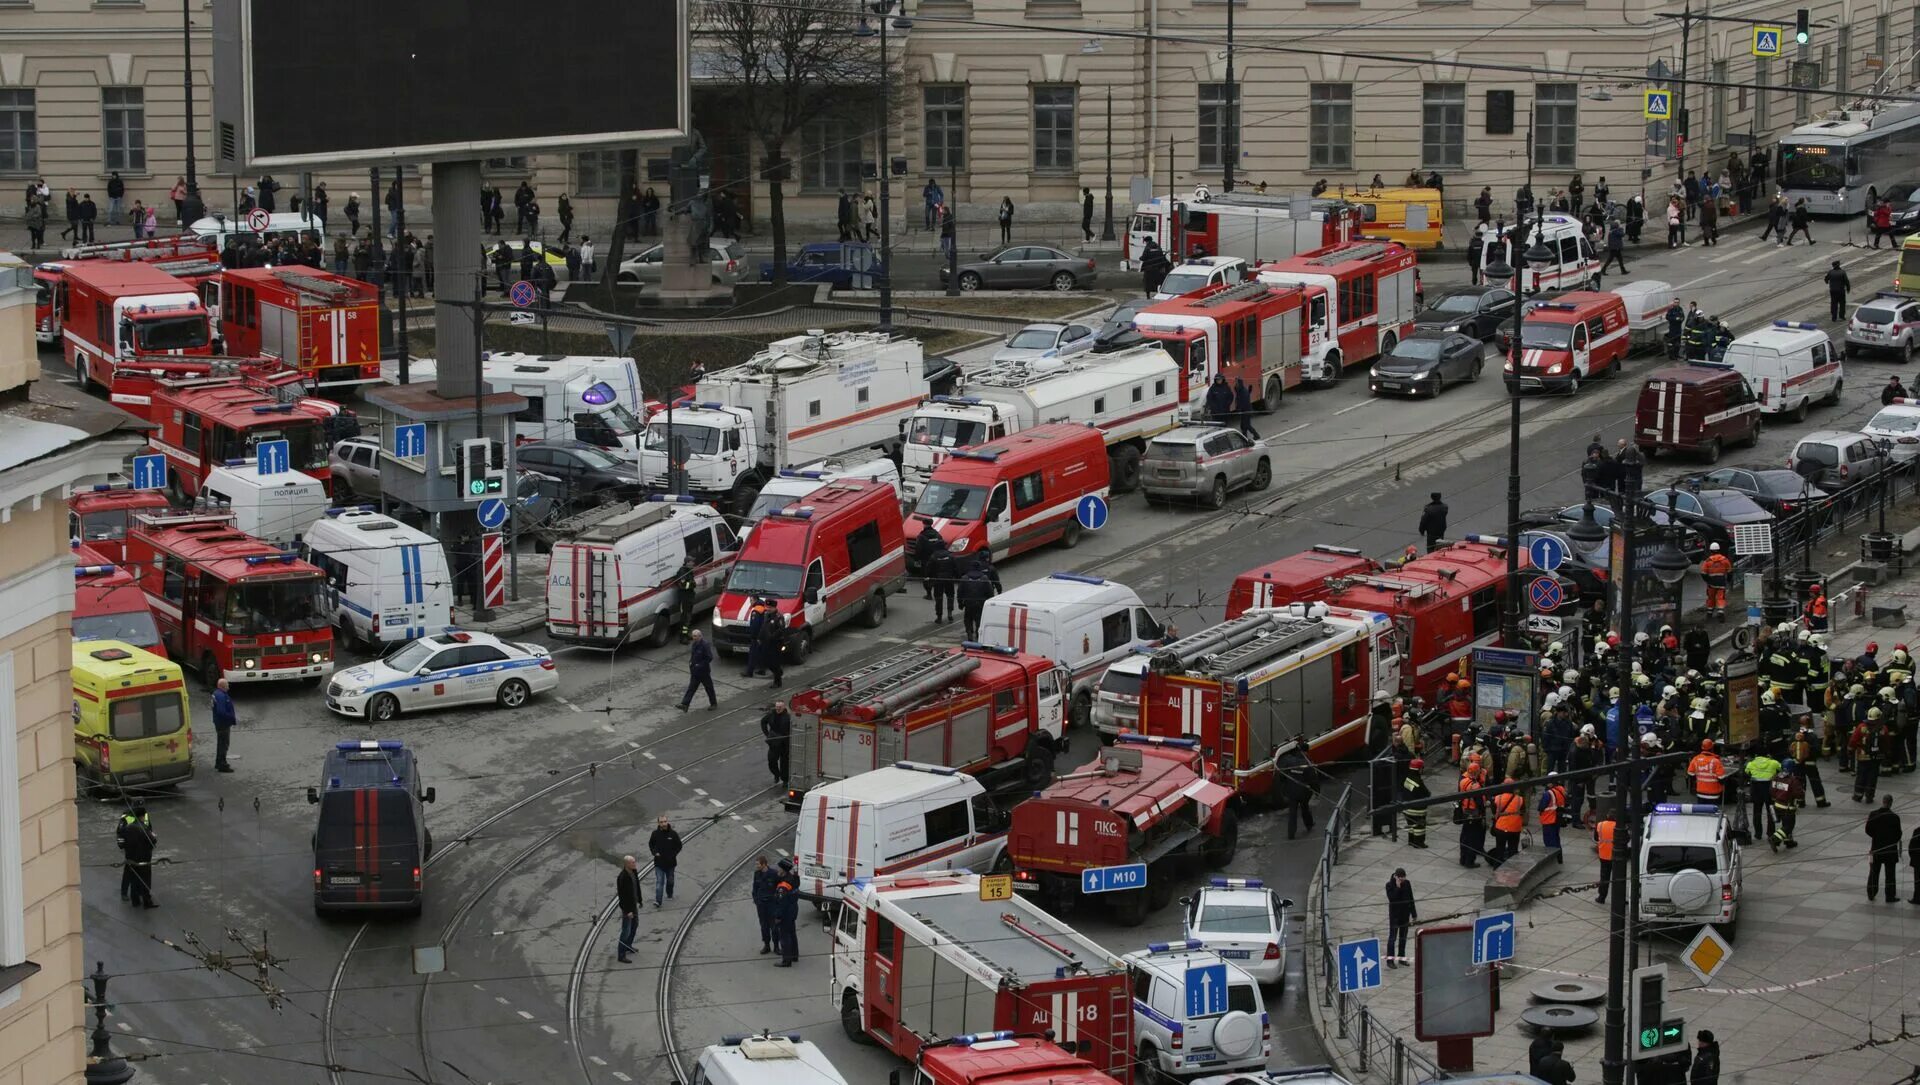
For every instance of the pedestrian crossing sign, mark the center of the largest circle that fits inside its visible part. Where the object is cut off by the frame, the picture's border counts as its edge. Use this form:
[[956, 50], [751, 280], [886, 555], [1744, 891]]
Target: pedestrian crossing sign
[[1766, 41], [1657, 105]]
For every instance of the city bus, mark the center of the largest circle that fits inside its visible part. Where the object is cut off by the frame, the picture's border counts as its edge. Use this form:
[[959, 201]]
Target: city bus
[[1832, 162]]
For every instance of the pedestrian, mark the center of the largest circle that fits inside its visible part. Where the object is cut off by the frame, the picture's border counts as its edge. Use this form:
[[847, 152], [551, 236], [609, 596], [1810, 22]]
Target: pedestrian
[[776, 725], [1869, 743], [1086, 212], [1883, 831], [223, 721], [1800, 217], [843, 215], [1154, 266], [268, 189], [1837, 286], [931, 200], [947, 229], [664, 846], [1676, 320], [150, 220], [1297, 788], [116, 197], [649, 214], [137, 840], [1676, 225], [502, 264], [869, 218], [1413, 787], [1776, 221], [1433, 521], [1476, 254], [974, 590], [1243, 408], [178, 194], [942, 571], [771, 638], [1006, 220], [1913, 863], [352, 211], [1881, 221], [135, 815], [1710, 221], [1553, 813], [699, 672], [1708, 773], [787, 914], [1893, 390], [1691, 186], [588, 269], [1509, 819], [1603, 832], [1402, 912], [1554, 1068], [626, 887], [1220, 400], [1470, 815], [1636, 218], [1706, 1060], [37, 221], [1538, 1050], [564, 208], [89, 211], [1632, 465], [1616, 247], [765, 898]]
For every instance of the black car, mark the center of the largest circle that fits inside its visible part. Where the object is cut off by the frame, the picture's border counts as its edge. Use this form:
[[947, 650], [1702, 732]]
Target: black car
[[1783, 492], [1118, 333], [1905, 200], [1470, 310], [1424, 362], [1713, 514], [588, 472]]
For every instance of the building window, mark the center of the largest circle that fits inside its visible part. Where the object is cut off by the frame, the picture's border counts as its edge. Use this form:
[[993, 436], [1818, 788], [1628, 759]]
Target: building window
[[1762, 95], [511, 164], [19, 134], [1330, 126], [1443, 125], [1717, 112], [832, 155], [123, 126], [1053, 128], [1556, 125], [596, 173], [945, 127], [1882, 34], [1219, 126]]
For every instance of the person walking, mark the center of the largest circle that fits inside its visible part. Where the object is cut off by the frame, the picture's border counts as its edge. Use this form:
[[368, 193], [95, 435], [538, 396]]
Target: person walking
[[1603, 832], [770, 636], [1243, 408], [1837, 286], [787, 914], [947, 230], [224, 718], [1220, 400], [1800, 218], [1784, 797], [869, 218], [1006, 220], [1706, 1060], [1086, 212], [1402, 912], [699, 671], [1883, 833], [1483, 205], [765, 898], [931, 198], [942, 571], [116, 198], [776, 725], [626, 887], [135, 815], [1616, 247], [137, 840], [1413, 787], [974, 591], [1433, 521], [664, 845], [1913, 863], [564, 208], [1676, 225], [1709, 221]]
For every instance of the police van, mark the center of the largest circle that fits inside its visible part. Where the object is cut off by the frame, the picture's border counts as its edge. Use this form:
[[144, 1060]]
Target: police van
[[275, 507], [1689, 867], [764, 1060], [371, 843], [387, 582], [1084, 623], [1789, 365], [905, 817], [1234, 1035]]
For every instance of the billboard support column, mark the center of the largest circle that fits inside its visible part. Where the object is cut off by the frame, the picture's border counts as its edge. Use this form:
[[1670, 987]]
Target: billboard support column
[[459, 272]]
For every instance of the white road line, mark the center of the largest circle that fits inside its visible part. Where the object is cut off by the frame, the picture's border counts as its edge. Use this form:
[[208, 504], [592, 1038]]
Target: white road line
[[684, 780], [124, 1027], [1355, 407], [783, 851], [607, 727], [1724, 257], [577, 708], [549, 1030], [561, 700], [524, 1014], [717, 802], [621, 1076], [666, 767], [1758, 257], [1295, 429], [733, 817], [1701, 279], [702, 792], [751, 829], [598, 1061], [501, 1000]]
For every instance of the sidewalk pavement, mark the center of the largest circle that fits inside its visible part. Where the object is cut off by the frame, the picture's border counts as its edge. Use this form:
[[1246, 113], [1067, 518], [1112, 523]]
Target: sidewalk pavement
[[1820, 984], [518, 616]]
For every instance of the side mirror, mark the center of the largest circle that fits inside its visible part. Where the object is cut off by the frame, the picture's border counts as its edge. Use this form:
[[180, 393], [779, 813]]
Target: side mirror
[[1286, 902], [313, 794], [428, 795], [423, 672], [812, 596], [1188, 901]]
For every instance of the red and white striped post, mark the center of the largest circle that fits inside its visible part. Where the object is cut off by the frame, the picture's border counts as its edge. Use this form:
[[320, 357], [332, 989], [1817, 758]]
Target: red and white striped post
[[493, 569]]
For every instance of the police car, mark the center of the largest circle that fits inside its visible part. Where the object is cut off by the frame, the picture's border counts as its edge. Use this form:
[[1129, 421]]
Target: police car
[[1690, 869], [442, 669], [1303, 1075], [1244, 922], [1175, 1043]]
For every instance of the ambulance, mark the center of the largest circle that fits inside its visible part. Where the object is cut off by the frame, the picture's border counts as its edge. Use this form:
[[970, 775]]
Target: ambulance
[[388, 583], [1575, 337], [611, 574], [130, 720], [1572, 265], [1084, 623], [1017, 493], [1789, 364]]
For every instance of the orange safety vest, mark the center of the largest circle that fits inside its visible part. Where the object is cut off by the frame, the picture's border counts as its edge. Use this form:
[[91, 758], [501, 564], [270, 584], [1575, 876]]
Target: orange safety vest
[[1468, 783], [1716, 569], [1509, 812], [1705, 768], [1817, 608], [1551, 815], [1603, 839]]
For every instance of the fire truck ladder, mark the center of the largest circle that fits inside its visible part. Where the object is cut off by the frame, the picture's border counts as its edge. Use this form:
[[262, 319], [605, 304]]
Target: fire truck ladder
[[1020, 374], [1348, 254], [1246, 291], [186, 266], [897, 680], [325, 289], [1405, 589], [1246, 641]]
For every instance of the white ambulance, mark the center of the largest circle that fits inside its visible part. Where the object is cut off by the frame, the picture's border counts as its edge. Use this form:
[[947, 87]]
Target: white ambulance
[[387, 582], [1571, 265], [1789, 365], [904, 817], [610, 577], [1081, 622]]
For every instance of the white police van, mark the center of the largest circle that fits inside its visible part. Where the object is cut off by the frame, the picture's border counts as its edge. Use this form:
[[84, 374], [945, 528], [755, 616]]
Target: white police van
[[387, 582], [1689, 867], [1174, 1043], [764, 1060], [1084, 623], [1244, 922]]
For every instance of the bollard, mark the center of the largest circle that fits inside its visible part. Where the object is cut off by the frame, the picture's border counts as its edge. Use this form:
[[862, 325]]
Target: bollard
[[1860, 601]]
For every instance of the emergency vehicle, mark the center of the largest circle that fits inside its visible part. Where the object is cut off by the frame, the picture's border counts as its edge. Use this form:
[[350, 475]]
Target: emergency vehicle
[[1789, 365], [763, 1060], [205, 423], [277, 508], [917, 959], [109, 605], [371, 842], [229, 605], [1297, 578], [983, 709], [1249, 331], [1695, 409], [146, 250], [611, 574], [1002, 1058], [1359, 299], [1573, 264], [442, 670], [897, 818], [1015, 494], [1411, 216], [792, 485], [821, 563], [1250, 225], [130, 386], [1293, 679], [1084, 623], [596, 399], [109, 311], [1175, 1033], [189, 258], [1442, 606], [325, 325], [130, 719], [1142, 800], [1244, 922], [1573, 338], [388, 582], [46, 321], [99, 516]]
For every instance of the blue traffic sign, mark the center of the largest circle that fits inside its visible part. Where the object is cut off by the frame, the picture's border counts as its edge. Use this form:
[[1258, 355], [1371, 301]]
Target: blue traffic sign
[[1091, 512], [275, 457], [1359, 965], [410, 441], [1493, 938], [523, 293], [150, 472], [1547, 552], [1546, 594], [1206, 990], [1112, 879], [492, 512]]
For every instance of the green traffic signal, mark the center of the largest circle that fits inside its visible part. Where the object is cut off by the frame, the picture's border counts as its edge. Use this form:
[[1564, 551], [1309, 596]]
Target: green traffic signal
[[477, 486], [1649, 1038]]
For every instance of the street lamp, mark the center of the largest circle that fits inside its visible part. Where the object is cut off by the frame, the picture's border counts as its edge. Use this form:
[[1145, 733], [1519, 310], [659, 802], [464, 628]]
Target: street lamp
[[884, 10], [1500, 269], [191, 208]]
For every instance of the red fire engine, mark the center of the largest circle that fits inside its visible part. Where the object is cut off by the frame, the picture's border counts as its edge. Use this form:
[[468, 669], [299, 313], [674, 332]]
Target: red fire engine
[[1251, 225], [100, 516], [1298, 578], [1443, 606], [230, 605], [133, 381], [205, 423], [1248, 331], [1360, 302], [148, 250], [112, 310], [325, 325], [46, 283], [109, 605]]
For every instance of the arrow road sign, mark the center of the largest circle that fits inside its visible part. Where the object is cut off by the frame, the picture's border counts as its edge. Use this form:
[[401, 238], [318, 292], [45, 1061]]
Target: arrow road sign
[[410, 441], [1657, 105], [150, 472], [1092, 512], [275, 458], [1766, 41], [1493, 938], [1112, 879], [491, 513], [1359, 965], [523, 293], [1206, 990], [1547, 552], [1545, 594]]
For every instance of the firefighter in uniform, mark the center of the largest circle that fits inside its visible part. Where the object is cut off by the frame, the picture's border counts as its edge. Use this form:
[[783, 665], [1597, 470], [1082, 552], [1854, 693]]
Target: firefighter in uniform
[[1413, 788], [1803, 750], [1553, 809], [1785, 795], [1851, 713], [1471, 813], [1603, 845], [1779, 668], [1868, 740], [1699, 336], [1509, 818], [1775, 720], [1706, 769], [136, 816], [685, 587]]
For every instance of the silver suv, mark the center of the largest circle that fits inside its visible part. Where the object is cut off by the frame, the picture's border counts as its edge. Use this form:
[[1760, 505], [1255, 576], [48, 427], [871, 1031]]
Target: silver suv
[[1836, 459], [355, 463], [1888, 324], [1204, 461]]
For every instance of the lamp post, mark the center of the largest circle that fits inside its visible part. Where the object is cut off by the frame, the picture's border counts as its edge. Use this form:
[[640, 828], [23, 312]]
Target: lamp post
[[1499, 269], [1106, 231], [191, 208], [1232, 149], [884, 9]]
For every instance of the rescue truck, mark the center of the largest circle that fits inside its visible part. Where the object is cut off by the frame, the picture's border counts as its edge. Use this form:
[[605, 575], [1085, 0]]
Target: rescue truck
[[1129, 395], [327, 326], [185, 257], [1253, 226], [1249, 331], [918, 959], [203, 423], [1002, 1058], [111, 310], [1145, 800], [130, 718], [1274, 681], [1297, 578], [986, 710], [46, 322], [1359, 302], [1015, 494], [229, 605], [611, 574], [1576, 337], [130, 386], [803, 398], [1442, 605], [99, 516], [149, 250], [109, 605], [591, 398]]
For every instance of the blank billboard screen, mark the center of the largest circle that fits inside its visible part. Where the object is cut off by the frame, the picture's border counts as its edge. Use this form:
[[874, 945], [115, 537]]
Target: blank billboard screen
[[347, 77]]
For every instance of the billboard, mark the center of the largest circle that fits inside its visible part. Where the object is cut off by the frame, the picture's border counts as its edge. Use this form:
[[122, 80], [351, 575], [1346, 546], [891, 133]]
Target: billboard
[[325, 83]]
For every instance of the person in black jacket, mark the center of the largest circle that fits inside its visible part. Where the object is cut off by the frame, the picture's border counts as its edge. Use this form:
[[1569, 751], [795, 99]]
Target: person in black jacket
[[664, 845], [1401, 912], [983, 561], [926, 544], [89, 211], [1892, 390], [771, 638], [1883, 831], [1220, 400], [776, 724], [699, 672], [1433, 521], [787, 913], [1154, 266], [626, 886], [941, 573], [1086, 212], [975, 589], [1706, 1060], [1913, 861], [1243, 408], [137, 840], [765, 895], [1538, 1051], [267, 187], [1294, 777], [1837, 286], [116, 199]]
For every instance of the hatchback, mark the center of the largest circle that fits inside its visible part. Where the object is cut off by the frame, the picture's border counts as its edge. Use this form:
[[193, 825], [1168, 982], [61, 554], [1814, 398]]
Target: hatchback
[[1836, 461], [355, 463], [1898, 426], [1205, 462], [724, 262]]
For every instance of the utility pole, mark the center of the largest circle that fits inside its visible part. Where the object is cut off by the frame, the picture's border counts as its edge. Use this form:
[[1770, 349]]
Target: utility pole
[[886, 167], [1106, 231], [1230, 148], [1680, 103], [193, 207], [1626, 789], [1511, 634], [400, 228]]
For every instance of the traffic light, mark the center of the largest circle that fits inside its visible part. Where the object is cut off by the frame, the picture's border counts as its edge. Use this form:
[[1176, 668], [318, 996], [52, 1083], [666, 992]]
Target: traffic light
[[1681, 124], [480, 477], [1801, 33], [1650, 1034]]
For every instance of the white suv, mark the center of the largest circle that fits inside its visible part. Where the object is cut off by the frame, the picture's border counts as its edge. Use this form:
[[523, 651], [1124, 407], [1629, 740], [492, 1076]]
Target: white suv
[[1202, 272], [1173, 1044], [1889, 323], [1690, 870]]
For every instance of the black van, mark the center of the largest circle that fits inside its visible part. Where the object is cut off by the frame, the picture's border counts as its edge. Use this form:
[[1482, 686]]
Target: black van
[[371, 845]]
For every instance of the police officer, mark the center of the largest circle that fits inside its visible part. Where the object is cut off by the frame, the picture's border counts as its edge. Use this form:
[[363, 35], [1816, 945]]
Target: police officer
[[137, 840], [787, 914], [137, 816], [1412, 789], [941, 572], [925, 544], [1295, 776], [771, 636], [983, 561], [765, 898], [974, 591], [776, 725], [1676, 318], [685, 587]]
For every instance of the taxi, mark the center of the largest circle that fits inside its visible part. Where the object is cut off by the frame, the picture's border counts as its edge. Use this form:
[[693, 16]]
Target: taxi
[[1232, 1031], [443, 669], [1244, 922]]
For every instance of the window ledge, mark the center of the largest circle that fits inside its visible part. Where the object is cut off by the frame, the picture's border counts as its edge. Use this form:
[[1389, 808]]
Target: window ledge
[[14, 975], [1058, 9]]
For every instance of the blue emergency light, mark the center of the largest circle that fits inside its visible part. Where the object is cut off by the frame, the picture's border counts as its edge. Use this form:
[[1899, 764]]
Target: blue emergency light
[[965, 401], [1158, 740], [1560, 306], [797, 512], [788, 472], [996, 649], [237, 461], [1798, 325], [987, 454], [273, 408], [1686, 808], [103, 487], [972, 1038], [1236, 883], [91, 570], [677, 499], [1078, 578], [1166, 947], [1487, 540]]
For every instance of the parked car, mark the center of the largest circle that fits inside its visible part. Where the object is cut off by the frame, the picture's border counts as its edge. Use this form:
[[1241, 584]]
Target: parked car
[[1479, 311], [1425, 361], [1837, 461], [724, 258], [1206, 462], [1888, 323], [1905, 198], [590, 473], [1026, 266], [1897, 424], [1202, 272], [1784, 493], [847, 265], [1045, 339], [1713, 514], [1117, 331], [355, 463]]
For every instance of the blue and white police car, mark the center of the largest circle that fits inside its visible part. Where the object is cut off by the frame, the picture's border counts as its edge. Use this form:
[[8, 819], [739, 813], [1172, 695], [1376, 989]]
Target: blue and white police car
[[442, 669], [1244, 922], [1180, 1033]]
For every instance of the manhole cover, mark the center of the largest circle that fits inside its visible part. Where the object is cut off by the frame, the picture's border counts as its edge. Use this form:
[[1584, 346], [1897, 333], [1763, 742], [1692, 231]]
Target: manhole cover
[[1560, 1017]]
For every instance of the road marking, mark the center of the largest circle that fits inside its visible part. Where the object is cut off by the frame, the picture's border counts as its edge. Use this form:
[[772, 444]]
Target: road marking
[[621, 1076], [782, 851], [733, 817], [1701, 279], [524, 1014], [1355, 407], [1725, 257], [688, 782], [607, 727], [753, 830], [477, 987], [549, 1030], [124, 1027], [576, 708], [501, 1000], [666, 767], [560, 699], [1758, 257], [596, 1060], [717, 803], [1295, 429]]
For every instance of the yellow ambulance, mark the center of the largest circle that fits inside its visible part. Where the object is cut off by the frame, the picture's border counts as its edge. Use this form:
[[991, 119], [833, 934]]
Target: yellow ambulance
[[130, 725], [1411, 216]]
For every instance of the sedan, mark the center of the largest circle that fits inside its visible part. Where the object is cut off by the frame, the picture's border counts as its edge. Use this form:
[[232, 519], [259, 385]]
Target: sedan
[[723, 260], [1425, 361], [1044, 340], [1712, 513], [589, 473], [1478, 311], [1243, 921], [443, 670], [1018, 267], [1780, 491], [1905, 198]]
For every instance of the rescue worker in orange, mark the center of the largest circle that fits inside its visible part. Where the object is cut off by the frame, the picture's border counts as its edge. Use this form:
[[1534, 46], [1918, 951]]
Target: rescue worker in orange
[[1815, 611], [1553, 807], [1471, 814], [1509, 818], [1603, 845], [1717, 571], [1707, 771]]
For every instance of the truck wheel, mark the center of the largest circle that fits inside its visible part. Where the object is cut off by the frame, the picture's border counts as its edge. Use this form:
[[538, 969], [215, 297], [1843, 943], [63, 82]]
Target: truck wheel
[[800, 649], [1712, 453], [850, 1019], [876, 613], [1160, 885], [662, 631], [1039, 766], [1217, 496], [1070, 535], [1081, 714], [1263, 475], [1220, 850], [383, 708], [1270, 395], [209, 669], [1132, 907], [1126, 469], [746, 489]]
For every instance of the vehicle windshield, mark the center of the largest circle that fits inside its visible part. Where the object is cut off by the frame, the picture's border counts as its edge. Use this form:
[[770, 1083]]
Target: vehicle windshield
[[620, 420], [42, 293], [1890, 421], [946, 432], [1901, 193], [765, 578], [1122, 683], [148, 716], [1033, 339], [1416, 350], [111, 524], [1870, 315], [1818, 455], [1812, 166], [306, 447], [1183, 282], [1546, 336], [136, 627], [768, 501], [258, 607], [183, 332], [699, 440], [1909, 264], [1457, 303], [944, 500], [1234, 919], [411, 656], [1674, 858]]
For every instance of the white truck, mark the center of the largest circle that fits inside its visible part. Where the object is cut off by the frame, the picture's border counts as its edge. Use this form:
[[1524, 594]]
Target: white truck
[[804, 398], [278, 508], [1131, 395], [611, 575], [592, 398]]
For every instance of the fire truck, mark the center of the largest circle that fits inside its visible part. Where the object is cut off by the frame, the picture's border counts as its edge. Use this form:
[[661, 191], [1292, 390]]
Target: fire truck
[[1145, 799], [113, 310], [150, 250], [133, 380], [46, 283], [229, 605], [325, 325], [204, 423], [1247, 331], [1251, 225], [109, 605], [1272, 682], [100, 515], [1003, 1058], [917, 959], [1442, 605], [186, 257], [1363, 289], [984, 709], [1296, 578]]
